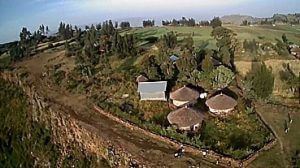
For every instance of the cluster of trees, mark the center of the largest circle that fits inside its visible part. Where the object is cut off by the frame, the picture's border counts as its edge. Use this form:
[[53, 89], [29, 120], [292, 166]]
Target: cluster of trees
[[27, 42], [195, 67], [267, 22], [260, 81], [94, 42], [291, 79], [44, 30], [226, 43], [216, 22], [148, 23], [245, 23], [204, 23], [168, 40], [124, 25], [65, 31], [124, 45], [182, 22], [282, 46]]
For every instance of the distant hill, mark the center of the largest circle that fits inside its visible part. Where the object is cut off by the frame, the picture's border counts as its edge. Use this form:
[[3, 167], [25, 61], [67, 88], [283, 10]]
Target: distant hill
[[276, 18], [238, 19]]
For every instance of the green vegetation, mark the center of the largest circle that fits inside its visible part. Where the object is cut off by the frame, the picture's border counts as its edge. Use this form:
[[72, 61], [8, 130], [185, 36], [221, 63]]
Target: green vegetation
[[261, 81], [237, 136], [28, 143], [110, 82], [108, 60]]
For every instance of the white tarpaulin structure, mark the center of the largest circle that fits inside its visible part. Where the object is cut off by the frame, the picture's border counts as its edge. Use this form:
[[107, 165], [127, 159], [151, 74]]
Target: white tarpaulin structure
[[152, 90]]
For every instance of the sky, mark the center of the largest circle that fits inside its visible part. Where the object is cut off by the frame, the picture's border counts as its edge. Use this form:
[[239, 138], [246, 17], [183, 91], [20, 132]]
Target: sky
[[15, 14]]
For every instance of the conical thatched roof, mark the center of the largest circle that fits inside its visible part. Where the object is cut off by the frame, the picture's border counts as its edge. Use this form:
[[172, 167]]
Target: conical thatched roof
[[185, 94], [221, 102], [142, 78], [185, 117], [296, 49]]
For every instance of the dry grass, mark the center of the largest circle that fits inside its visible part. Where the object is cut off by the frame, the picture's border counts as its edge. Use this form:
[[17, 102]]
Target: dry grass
[[244, 67]]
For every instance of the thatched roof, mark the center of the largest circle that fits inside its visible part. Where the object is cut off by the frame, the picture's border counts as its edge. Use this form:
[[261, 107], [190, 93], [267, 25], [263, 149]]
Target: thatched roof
[[141, 78], [296, 49], [185, 94], [185, 117], [221, 102]]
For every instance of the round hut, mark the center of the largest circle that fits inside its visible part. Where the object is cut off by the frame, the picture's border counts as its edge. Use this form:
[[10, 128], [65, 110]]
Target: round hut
[[186, 118], [142, 78], [184, 96], [221, 104]]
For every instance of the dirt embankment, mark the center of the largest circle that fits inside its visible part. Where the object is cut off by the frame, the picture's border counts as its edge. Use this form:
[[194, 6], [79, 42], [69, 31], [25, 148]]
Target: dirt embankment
[[66, 130]]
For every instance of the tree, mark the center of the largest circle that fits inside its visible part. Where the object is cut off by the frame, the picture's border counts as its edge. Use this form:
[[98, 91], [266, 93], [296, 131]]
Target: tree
[[168, 40], [281, 48], [262, 81], [226, 42], [221, 77], [25, 38], [98, 26], [187, 63], [90, 48], [47, 30], [225, 56], [207, 64], [291, 79], [124, 25], [245, 23], [216, 22], [151, 68], [188, 43], [284, 39], [148, 23]]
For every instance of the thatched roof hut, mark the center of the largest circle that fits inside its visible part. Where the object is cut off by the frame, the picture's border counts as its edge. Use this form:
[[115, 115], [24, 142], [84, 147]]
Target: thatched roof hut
[[186, 118], [142, 78], [184, 95], [296, 52], [221, 104]]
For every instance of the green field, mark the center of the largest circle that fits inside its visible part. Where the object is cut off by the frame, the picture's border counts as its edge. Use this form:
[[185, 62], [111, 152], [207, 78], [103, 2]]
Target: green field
[[267, 33], [202, 34], [277, 157]]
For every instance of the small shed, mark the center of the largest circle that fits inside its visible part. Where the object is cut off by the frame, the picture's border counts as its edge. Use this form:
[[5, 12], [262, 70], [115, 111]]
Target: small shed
[[221, 104], [173, 58], [186, 118], [184, 96], [152, 90], [142, 78]]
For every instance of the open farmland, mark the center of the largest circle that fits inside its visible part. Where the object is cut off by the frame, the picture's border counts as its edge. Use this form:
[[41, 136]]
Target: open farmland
[[202, 34]]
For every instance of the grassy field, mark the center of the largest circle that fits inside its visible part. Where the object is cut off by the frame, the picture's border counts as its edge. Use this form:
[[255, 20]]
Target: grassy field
[[276, 116], [243, 67], [202, 34], [267, 33]]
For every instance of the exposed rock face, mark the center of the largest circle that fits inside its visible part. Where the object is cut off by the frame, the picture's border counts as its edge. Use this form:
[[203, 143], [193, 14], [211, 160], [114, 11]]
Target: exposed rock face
[[67, 131]]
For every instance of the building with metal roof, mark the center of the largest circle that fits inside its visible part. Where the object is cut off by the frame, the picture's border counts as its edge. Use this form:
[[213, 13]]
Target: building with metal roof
[[173, 58], [152, 90]]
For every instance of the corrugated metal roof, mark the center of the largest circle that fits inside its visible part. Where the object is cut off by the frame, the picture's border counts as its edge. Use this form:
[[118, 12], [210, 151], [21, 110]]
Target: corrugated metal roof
[[153, 96], [151, 87], [174, 58]]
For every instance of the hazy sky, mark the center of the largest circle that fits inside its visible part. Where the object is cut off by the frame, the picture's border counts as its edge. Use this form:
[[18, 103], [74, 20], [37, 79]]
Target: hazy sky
[[31, 13]]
